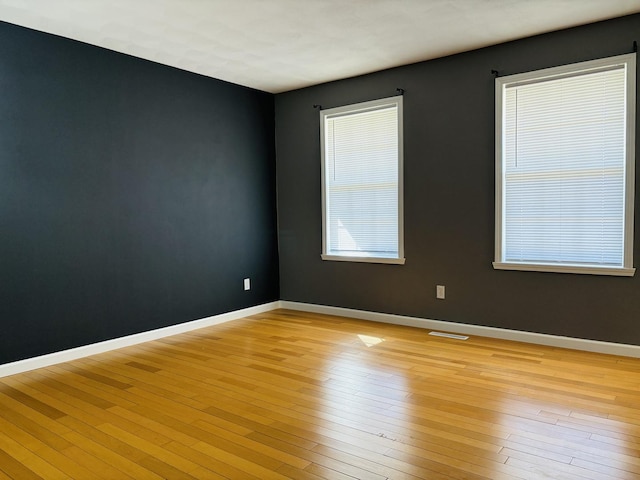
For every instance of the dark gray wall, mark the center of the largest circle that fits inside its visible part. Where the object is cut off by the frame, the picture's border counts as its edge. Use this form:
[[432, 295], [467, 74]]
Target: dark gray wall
[[449, 199], [132, 195]]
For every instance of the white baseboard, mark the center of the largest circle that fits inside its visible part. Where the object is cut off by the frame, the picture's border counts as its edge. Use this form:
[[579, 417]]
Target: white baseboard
[[462, 328], [108, 345]]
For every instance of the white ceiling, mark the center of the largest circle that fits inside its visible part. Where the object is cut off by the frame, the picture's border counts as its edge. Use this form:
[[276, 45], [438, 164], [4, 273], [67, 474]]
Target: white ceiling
[[280, 45]]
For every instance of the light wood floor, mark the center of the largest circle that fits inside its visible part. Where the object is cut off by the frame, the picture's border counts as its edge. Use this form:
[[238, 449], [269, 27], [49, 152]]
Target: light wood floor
[[293, 395]]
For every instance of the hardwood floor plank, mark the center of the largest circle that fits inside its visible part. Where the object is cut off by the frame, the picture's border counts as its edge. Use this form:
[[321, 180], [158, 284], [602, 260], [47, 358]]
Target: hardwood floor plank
[[224, 467], [381, 465], [87, 413], [298, 395], [31, 402], [291, 472], [99, 467], [620, 471], [175, 463], [49, 433], [535, 471], [241, 462], [15, 468], [257, 447], [127, 465], [4, 476], [326, 473]]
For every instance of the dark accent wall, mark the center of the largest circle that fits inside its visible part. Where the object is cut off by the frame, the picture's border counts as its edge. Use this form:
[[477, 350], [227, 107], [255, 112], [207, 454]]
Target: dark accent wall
[[449, 199], [132, 195]]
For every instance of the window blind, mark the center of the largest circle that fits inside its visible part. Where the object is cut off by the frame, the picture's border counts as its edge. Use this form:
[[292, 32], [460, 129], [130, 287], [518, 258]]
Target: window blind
[[361, 157], [564, 169]]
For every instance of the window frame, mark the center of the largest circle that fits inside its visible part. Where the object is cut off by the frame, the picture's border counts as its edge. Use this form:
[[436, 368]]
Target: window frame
[[501, 83], [356, 108]]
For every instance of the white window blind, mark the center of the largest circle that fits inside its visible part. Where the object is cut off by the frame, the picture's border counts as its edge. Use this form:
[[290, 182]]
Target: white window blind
[[566, 169], [362, 182]]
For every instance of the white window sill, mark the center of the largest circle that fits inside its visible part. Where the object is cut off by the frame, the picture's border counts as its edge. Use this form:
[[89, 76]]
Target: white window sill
[[345, 258], [528, 267]]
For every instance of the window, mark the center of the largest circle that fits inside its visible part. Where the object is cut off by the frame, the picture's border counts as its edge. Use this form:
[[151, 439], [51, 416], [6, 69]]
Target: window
[[362, 182], [565, 168]]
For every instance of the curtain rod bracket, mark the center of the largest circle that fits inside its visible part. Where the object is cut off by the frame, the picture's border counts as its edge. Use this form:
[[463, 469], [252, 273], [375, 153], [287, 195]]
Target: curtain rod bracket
[[494, 73], [319, 107], [400, 91]]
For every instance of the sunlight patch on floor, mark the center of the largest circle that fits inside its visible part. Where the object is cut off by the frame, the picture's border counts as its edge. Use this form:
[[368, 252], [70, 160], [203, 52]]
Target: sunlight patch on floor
[[370, 341]]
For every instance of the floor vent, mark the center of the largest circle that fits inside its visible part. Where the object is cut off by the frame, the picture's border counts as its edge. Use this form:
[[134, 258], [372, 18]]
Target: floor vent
[[449, 335]]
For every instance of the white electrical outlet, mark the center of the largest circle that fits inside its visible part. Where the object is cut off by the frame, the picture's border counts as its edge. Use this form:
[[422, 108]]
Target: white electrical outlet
[[440, 292], [247, 284]]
